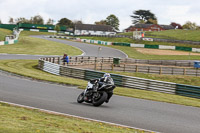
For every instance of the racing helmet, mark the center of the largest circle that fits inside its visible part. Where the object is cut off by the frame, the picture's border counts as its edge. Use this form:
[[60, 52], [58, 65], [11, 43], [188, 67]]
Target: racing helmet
[[106, 75]]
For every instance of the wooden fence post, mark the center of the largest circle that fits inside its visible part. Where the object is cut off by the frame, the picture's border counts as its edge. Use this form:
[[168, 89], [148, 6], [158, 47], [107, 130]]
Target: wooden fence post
[[184, 71], [95, 63], [112, 66], [160, 72], [109, 60], [88, 60], [136, 69], [124, 67], [53, 59], [196, 71], [58, 60], [82, 59]]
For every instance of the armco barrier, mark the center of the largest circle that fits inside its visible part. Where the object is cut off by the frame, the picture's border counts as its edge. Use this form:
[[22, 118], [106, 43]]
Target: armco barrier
[[183, 48], [187, 90], [134, 45], [151, 46], [11, 41], [120, 80]]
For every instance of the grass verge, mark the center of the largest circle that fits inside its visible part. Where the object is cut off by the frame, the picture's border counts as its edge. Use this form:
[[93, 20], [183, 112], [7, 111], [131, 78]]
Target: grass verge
[[3, 33], [180, 79], [21, 120], [128, 40], [36, 46], [177, 34], [28, 68], [133, 53]]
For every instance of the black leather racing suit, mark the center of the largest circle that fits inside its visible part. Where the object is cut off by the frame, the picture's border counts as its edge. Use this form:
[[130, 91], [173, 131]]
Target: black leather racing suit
[[106, 80]]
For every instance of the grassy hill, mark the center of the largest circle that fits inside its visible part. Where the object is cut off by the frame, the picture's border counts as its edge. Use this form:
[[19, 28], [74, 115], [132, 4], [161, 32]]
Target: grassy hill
[[3, 33], [129, 40], [192, 35], [36, 46]]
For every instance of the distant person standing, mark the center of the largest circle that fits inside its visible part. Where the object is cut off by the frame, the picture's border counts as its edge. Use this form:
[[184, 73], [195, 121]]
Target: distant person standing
[[65, 59]]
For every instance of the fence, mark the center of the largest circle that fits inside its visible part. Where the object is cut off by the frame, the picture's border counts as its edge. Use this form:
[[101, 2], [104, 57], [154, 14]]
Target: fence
[[124, 81], [92, 60], [131, 65], [147, 69], [188, 49]]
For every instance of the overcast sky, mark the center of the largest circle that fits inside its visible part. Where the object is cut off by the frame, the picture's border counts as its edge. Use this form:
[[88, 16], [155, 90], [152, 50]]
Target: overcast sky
[[90, 11]]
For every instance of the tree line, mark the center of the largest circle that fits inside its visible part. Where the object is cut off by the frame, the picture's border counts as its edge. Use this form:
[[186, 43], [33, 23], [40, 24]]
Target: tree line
[[138, 17], [111, 20], [147, 17]]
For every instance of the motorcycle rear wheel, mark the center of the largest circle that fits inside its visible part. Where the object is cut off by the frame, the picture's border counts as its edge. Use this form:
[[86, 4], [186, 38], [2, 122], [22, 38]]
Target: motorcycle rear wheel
[[101, 100], [80, 98]]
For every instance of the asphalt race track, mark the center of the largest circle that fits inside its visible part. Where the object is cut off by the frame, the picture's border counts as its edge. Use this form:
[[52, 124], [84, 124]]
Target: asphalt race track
[[89, 49], [150, 115]]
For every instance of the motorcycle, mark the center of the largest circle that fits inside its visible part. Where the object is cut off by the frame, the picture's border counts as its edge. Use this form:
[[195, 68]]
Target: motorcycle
[[96, 92]]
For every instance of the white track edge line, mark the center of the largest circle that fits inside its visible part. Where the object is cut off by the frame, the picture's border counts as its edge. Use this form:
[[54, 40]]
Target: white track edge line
[[84, 118]]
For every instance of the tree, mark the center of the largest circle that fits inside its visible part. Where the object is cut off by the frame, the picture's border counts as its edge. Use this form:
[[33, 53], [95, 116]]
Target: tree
[[65, 22], [153, 21], [102, 22], [37, 20], [11, 21], [22, 20], [176, 25], [113, 21], [49, 22], [57, 28], [0, 21], [144, 16], [77, 22], [190, 25]]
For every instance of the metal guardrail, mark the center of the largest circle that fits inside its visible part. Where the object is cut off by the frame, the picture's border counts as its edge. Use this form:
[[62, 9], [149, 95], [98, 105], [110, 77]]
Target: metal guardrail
[[120, 80]]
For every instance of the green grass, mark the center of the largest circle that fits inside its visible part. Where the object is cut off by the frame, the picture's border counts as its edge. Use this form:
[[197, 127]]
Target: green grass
[[126, 33], [20, 120], [128, 40], [179, 79], [35, 46], [133, 53], [29, 68], [3, 33], [28, 33], [192, 35]]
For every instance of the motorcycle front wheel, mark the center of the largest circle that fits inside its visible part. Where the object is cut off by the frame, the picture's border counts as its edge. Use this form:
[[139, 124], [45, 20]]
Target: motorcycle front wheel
[[102, 96], [80, 98]]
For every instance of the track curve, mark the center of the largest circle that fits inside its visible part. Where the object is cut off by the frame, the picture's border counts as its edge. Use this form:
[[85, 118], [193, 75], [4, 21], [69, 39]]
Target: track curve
[[151, 115], [89, 49]]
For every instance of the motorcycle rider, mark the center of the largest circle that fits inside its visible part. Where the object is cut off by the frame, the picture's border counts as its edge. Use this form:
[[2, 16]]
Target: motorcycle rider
[[106, 79]]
